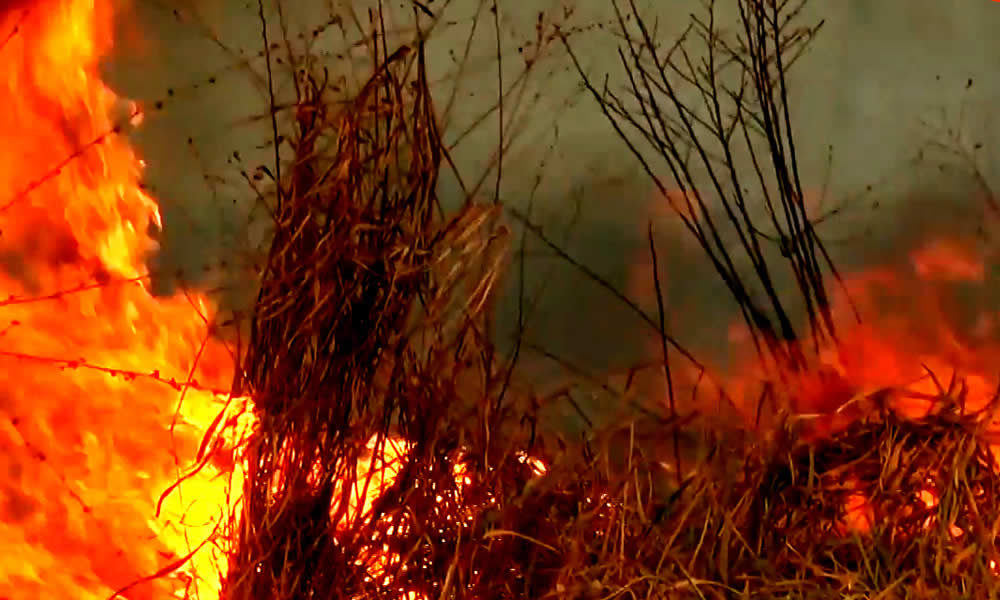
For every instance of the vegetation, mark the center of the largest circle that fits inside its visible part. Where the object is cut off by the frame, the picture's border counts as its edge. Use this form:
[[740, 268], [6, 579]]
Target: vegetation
[[371, 337]]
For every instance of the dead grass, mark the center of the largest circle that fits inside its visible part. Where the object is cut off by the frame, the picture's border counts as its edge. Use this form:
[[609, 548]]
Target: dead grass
[[372, 328]]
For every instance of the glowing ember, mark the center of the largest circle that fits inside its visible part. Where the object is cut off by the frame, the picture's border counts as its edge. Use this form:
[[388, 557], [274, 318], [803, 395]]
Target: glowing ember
[[858, 514], [107, 391]]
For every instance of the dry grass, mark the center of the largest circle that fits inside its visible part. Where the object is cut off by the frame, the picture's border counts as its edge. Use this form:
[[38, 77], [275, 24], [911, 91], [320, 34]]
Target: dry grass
[[372, 329]]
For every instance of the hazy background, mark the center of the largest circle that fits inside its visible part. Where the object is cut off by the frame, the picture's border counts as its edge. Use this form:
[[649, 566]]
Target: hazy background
[[867, 94]]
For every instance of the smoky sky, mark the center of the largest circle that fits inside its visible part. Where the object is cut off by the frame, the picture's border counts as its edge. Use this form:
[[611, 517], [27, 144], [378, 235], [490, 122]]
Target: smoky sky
[[882, 81]]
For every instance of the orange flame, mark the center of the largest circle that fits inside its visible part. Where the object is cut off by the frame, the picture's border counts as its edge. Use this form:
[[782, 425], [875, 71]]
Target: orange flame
[[107, 391], [911, 350], [91, 429]]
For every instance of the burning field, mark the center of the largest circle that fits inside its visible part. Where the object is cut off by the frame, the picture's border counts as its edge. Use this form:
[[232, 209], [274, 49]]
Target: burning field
[[360, 436]]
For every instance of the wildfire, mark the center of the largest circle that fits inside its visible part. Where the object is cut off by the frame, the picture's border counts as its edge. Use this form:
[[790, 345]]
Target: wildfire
[[909, 356], [912, 355], [108, 486], [107, 391]]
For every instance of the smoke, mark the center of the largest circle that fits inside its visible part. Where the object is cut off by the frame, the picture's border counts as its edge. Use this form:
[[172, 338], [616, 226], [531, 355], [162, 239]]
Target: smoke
[[883, 80]]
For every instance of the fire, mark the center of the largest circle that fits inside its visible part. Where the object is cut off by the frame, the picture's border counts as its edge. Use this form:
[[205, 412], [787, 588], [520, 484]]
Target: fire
[[913, 350], [910, 356], [858, 513], [107, 390], [109, 485]]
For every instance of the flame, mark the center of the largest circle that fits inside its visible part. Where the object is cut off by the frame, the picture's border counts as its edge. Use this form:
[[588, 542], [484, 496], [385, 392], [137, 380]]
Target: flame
[[911, 350], [107, 391], [909, 341], [859, 515]]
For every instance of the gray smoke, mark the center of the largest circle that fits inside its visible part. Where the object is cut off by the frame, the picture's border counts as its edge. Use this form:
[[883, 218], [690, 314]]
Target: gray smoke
[[875, 81]]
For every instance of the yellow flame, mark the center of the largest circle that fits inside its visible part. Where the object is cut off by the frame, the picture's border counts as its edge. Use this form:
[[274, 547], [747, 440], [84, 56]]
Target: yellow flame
[[91, 434]]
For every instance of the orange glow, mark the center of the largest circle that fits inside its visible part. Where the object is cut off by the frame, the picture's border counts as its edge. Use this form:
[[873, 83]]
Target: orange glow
[[107, 391], [913, 351], [909, 342], [372, 478], [908, 356], [902, 356], [948, 260], [858, 515]]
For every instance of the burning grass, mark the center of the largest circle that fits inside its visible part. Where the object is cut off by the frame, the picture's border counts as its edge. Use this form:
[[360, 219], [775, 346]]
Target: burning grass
[[889, 507], [396, 454], [370, 330]]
